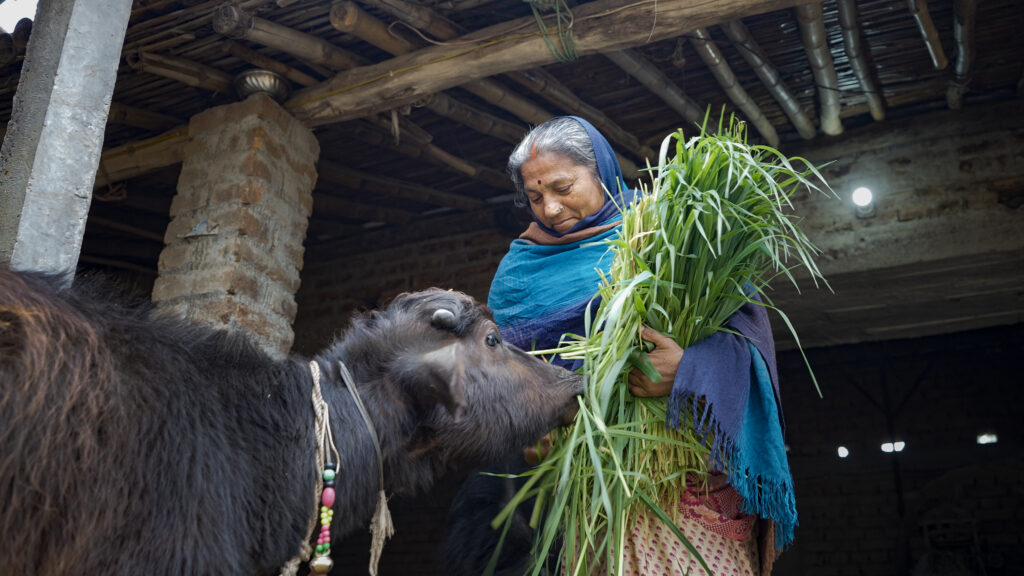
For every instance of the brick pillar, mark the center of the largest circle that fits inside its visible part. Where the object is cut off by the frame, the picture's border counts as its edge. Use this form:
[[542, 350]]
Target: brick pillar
[[233, 249]]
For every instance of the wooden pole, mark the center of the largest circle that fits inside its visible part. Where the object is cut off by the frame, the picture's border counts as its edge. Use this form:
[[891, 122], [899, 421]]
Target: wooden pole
[[233, 22], [136, 158], [330, 206], [858, 59], [755, 56], [184, 71], [963, 33], [812, 30], [919, 10], [657, 82], [708, 51]]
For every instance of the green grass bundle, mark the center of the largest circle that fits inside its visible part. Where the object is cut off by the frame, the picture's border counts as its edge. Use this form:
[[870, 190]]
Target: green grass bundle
[[715, 228]]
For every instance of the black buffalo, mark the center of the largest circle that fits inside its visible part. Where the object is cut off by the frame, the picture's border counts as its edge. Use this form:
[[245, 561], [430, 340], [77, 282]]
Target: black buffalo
[[133, 443]]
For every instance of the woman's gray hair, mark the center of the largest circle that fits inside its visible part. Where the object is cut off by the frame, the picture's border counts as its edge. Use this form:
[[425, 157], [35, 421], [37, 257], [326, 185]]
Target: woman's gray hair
[[564, 136]]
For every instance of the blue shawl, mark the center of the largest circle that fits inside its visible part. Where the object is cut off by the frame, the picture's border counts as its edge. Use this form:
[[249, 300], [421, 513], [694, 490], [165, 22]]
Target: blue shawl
[[542, 291]]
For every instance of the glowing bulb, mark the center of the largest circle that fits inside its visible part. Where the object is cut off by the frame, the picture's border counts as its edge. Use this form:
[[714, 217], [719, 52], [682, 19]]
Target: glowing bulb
[[843, 452], [988, 438], [862, 196]]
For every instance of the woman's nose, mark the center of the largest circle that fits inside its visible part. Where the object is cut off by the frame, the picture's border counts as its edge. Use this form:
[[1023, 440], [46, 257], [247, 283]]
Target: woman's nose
[[553, 208]]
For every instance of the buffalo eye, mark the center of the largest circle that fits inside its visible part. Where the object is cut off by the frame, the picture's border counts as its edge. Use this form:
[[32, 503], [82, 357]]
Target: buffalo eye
[[493, 339], [443, 319]]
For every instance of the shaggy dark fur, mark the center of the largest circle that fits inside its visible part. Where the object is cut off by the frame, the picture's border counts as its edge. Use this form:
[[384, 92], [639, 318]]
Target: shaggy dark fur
[[132, 443]]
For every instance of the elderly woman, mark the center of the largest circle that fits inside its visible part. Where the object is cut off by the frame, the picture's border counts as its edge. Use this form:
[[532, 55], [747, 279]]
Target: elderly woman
[[566, 174]]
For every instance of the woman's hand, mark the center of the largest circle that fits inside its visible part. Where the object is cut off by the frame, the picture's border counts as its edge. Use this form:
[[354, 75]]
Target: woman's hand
[[665, 358]]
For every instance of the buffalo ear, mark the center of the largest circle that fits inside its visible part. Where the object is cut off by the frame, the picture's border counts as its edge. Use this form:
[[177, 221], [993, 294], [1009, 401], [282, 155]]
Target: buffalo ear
[[445, 374]]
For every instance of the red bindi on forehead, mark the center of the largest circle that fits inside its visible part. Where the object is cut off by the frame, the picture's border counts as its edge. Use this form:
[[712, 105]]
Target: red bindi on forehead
[[538, 182]]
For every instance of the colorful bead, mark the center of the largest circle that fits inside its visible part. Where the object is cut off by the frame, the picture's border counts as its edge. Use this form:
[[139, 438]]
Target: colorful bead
[[328, 497], [328, 474]]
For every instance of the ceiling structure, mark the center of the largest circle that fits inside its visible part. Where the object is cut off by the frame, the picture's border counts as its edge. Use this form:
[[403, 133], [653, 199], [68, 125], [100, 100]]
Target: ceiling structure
[[416, 105]]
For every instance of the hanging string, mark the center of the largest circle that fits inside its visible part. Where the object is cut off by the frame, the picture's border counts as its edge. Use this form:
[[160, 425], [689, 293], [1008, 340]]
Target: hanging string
[[565, 49]]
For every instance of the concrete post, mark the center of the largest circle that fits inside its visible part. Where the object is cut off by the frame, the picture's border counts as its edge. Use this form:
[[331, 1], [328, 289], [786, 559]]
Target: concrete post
[[54, 139]]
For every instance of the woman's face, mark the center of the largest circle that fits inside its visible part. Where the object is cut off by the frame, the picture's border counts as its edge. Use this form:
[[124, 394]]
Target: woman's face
[[560, 192]]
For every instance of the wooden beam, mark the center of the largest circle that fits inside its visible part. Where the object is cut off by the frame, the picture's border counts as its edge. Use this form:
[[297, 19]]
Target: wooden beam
[[236, 23], [547, 86], [140, 118], [599, 26], [855, 51], [137, 158], [325, 205], [392, 187], [349, 18], [815, 38], [182, 70], [755, 56], [919, 10], [708, 51], [963, 33], [372, 135], [657, 82], [495, 94], [259, 60]]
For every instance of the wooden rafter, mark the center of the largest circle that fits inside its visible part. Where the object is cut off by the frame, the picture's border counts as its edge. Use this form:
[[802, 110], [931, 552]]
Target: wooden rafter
[[963, 34], [140, 118], [393, 188], [815, 39], [599, 26], [233, 22], [715, 61], [259, 60], [756, 58], [547, 86], [657, 82], [351, 19], [372, 135], [919, 10], [848, 21], [539, 81], [330, 206], [182, 70], [137, 158]]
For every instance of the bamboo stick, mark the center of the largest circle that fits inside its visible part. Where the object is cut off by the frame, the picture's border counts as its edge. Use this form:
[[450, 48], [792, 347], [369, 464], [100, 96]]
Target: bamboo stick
[[812, 30], [963, 34], [708, 51], [858, 60], [755, 56], [919, 10]]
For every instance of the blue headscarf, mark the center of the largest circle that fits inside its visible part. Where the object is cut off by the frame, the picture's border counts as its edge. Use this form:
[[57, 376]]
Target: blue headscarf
[[541, 291]]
